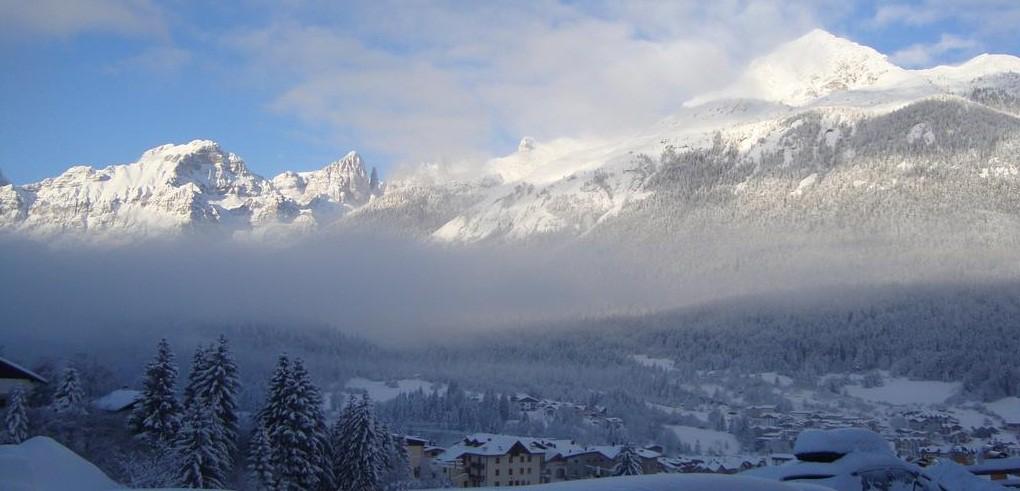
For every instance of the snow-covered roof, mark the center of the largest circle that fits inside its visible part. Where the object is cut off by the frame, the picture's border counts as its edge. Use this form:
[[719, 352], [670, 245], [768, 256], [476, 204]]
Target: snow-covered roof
[[117, 400], [11, 370], [838, 442], [42, 464], [991, 466]]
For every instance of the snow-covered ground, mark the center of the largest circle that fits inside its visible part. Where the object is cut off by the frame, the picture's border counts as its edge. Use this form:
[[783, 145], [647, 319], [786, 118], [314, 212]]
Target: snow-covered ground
[[385, 391], [1008, 409], [648, 361], [710, 441], [900, 391]]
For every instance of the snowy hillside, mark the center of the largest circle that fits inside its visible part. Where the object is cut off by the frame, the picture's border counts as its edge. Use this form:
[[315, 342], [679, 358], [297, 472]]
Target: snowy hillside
[[821, 123]]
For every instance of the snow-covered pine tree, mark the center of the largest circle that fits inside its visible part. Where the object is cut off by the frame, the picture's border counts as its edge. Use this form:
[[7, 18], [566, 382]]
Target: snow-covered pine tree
[[200, 456], [16, 419], [627, 462], [198, 364], [295, 426], [272, 412], [359, 455], [319, 453], [260, 455], [216, 386], [69, 398], [158, 414], [396, 462]]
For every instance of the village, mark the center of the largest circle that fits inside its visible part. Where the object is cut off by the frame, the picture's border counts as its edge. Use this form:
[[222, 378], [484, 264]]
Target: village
[[483, 459]]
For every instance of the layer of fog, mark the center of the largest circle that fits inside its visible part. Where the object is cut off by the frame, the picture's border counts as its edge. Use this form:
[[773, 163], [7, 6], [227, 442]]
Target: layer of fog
[[397, 291]]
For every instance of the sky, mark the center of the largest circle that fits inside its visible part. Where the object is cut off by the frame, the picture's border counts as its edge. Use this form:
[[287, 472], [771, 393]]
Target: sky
[[295, 84]]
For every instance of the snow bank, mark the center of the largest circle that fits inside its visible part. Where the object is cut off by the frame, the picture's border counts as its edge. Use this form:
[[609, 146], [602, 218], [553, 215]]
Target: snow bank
[[840, 441], [42, 464], [954, 477]]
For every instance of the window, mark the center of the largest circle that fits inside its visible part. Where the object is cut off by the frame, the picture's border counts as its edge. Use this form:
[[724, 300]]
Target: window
[[497, 460], [497, 472], [511, 471], [529, 458]]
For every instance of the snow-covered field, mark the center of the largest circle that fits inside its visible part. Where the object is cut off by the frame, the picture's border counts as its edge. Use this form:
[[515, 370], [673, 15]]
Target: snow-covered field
[[1008, 409], [648, 361], [385, 391], [710, 441], [901, 392]]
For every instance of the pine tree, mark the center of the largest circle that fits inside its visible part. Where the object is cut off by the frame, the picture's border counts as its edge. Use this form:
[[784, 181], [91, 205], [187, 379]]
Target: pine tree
[[198, 364], [272, 412], [16, 420], [260, 455], [627, 462], [216, 385], [359, 457], [158, 414], [295, 426], [69, 398], [199, 455]]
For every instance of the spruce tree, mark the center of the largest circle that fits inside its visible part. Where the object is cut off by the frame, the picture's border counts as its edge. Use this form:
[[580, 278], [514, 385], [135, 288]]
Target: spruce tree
[[359, 456], [200, 456], [295, 426], [216, 385], [627, 462], [272, 412], [158, 414], [198, 364], [16, 419], [260, 455], [69, 398]]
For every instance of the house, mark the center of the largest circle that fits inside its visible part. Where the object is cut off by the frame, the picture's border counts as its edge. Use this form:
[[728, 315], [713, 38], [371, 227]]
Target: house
[[420, 456], [580, 463], [484, 459], [120, 400], [14, 377], [997, 469], [525, 402]]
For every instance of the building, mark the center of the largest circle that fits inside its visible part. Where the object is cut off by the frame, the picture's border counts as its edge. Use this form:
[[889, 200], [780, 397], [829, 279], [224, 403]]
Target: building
[[14, 377], [484, 459], [580, 463], [421, 455], [118, 401]]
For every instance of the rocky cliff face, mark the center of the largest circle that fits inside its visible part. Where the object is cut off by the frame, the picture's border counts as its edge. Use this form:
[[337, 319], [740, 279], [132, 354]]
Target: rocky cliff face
[[177, 188]]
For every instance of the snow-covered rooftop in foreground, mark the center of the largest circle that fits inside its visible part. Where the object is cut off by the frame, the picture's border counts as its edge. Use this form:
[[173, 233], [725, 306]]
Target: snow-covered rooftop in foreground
[[42, 464]]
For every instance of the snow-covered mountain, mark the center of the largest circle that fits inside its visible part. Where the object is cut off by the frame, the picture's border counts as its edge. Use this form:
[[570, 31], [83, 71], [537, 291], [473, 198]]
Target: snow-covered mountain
[[176, 188], [822, 132], [820, 129]]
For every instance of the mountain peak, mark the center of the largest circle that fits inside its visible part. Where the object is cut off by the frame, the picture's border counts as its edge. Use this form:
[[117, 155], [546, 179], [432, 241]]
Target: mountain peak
[[809, 67], [348, 164]]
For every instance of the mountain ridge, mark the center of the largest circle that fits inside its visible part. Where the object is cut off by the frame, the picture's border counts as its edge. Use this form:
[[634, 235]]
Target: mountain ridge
[[785, 130]]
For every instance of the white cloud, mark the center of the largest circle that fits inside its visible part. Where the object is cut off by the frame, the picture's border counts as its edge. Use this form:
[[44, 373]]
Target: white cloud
[[68, 18], [156, 60], [982, 18], [919, 55], [433, 81]]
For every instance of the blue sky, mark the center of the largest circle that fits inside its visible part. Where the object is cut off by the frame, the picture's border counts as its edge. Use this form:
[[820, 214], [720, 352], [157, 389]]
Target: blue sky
[[295, 84]]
